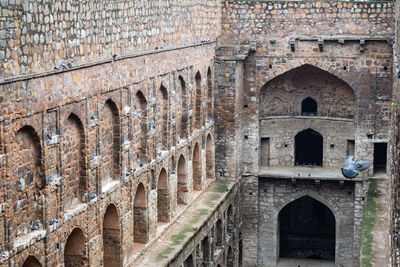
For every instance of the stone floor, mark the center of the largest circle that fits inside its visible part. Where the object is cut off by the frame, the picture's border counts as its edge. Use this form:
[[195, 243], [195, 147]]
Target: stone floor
[[283, 262]]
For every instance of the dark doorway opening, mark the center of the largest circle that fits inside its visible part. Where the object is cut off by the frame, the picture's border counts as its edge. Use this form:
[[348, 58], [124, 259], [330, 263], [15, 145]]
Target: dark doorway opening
[[380, 157], [308, 148], [309, 107], [307, 230]]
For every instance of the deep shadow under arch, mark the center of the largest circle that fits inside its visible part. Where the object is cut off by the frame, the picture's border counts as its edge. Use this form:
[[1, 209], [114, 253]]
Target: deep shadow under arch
[[306, 230], [308, 148]]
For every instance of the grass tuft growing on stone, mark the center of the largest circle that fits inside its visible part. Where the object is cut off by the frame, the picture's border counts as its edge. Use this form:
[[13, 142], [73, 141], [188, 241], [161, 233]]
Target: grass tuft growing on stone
[[163, 255], [178, 238], [369, 215], [220, 186]]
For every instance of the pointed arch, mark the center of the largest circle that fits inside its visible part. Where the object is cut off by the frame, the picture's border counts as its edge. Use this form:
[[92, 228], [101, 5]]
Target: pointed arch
[[306, 80], [198, 99], [74, 164], [140, 216], [27, 152], [210, 98], [75, 251], [163, 200], [307, 229], [183, 188], [205, 248], [230, 220], [184, 109], [141, 109], [197, 168], [31, 261], [219, 233], [309, 148], [164, 102], [110, 142], [111, 237]]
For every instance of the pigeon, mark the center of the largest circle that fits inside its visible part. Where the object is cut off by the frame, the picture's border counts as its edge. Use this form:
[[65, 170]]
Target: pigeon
[[352, 167]]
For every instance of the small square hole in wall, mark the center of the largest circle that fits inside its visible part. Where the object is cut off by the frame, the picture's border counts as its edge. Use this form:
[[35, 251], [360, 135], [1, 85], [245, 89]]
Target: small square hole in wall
[[246, 137], [245, 106], [369, 136], [270, 66], [286, 145], [332, 145], [385, 68], [344, 68], [265, 190]]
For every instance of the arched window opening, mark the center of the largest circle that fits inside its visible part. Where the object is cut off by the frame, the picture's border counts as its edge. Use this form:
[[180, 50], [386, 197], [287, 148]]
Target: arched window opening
[[27, 152], [219, 232], [110, 142], [307, 230], [164, 116], [209, 158], [230, 258], [308, 148], [210, 110], [74, 166], [197, 168], [198, 98], [183, 189], [111, 237], [141, 109], [309, 107], [31, 261], [74, 253], [163, 206], [184, 109], [205, 246], [140, 218]]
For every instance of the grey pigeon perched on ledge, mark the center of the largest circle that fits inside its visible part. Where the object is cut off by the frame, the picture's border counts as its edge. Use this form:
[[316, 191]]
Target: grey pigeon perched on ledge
[[352, 167]]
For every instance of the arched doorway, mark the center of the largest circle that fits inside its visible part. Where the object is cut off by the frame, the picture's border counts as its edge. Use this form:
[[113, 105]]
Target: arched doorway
[[306, 230], [182, 190], [163, 201], [141, 109], [308, 148], [230, 258], [75, 252], [198, 99], [111, 237], [205, 247], [197, 168], [31, 261]]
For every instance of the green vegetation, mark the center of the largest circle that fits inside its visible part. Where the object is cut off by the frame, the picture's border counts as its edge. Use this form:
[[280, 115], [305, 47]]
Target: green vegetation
[[220, 186], [178, 238], [163, 255], [370, 210]]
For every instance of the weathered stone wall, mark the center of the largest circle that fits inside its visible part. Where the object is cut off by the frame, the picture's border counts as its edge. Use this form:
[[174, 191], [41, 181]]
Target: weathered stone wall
[[39, 36], [75, 140]]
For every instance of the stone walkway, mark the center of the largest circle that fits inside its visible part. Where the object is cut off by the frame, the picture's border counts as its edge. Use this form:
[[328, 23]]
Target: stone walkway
[[179, 232], [375, 251]]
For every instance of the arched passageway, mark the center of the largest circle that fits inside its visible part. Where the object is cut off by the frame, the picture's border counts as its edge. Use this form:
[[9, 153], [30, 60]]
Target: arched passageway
[[309, 107], [230, 258], [182, 190], [308, 148], [205, 248], [219, 233], [163, 201], [74, 253], [111, 237], [198, 99], [197, 168], [141, 109], [184, 110], [189, 262], [306, 230], [31, 261]]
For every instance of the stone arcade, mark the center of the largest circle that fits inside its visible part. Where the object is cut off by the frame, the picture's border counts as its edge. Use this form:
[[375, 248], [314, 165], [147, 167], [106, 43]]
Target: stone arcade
[[198, 133]]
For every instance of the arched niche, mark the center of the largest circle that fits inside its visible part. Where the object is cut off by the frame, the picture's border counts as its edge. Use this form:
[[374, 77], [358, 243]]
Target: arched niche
[[28, 181], [75, 252], [141, 111], [230, 258], [163, 199], [306, 230], [183, 133], [210, 172], [198, 99], [309, 107], [282, 96], [110, 142], [31, 261], [140, 216], [111, 237], [74, 165], [308, 148], [210, 104], [183, 187], [197, 168], [164, 103]]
